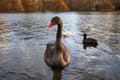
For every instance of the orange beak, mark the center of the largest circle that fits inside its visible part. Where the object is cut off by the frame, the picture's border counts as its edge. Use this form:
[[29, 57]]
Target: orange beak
[[51, 25]]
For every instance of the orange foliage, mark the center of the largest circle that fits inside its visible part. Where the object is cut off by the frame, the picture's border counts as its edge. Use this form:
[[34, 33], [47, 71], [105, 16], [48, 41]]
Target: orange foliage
[[17, 4], [11, 5], [77, 5], [32, 5], [56, 5], [106, 5]]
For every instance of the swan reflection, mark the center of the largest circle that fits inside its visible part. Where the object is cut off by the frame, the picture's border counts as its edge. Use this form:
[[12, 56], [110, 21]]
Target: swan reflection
[[57, 74]]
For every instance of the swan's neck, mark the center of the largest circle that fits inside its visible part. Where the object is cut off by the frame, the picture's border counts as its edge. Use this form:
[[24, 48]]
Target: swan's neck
[[85, 37], [59, 33], [59, 36]]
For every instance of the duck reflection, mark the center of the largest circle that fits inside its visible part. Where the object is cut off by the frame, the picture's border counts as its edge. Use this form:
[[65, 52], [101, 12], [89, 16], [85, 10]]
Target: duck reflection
[[57, 73], [89, 45]]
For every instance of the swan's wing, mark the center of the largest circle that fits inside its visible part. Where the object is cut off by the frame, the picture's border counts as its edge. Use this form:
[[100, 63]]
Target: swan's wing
[[49, 50], [66, 55]]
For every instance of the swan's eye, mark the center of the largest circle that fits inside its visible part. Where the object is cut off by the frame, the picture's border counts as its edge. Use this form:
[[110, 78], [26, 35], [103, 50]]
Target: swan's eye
[[51, 25]]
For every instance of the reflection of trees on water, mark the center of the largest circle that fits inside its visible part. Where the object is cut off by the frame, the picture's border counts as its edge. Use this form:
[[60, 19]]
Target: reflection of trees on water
[[4, 31], [4, 36]]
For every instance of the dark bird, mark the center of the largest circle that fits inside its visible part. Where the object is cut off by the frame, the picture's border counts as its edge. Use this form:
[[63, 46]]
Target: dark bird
[[89, 41], [57, 55]]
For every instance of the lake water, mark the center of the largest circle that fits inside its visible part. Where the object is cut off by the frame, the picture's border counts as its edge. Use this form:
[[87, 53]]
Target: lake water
[[23, 39]]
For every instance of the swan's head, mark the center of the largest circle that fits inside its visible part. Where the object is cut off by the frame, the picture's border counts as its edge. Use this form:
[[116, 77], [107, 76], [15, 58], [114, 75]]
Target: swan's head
[[55, 21], [84, 34]]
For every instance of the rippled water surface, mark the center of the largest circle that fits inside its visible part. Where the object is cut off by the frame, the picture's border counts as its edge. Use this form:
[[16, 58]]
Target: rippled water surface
[[23, 39]]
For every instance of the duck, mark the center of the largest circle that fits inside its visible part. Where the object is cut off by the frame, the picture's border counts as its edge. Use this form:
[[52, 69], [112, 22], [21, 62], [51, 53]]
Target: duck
[[89, 41], [56, 54]]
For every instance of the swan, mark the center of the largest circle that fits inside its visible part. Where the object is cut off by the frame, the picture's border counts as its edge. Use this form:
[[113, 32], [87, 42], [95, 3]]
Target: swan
[[57, 55]]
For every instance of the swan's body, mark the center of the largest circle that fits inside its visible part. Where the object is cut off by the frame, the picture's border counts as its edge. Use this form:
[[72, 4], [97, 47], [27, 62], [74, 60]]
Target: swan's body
[[57, 55]]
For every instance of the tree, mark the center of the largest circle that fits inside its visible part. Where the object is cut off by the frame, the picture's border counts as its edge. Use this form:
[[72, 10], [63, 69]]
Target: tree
[[116, 4], [17, 5], [57, 5], [106, 5]]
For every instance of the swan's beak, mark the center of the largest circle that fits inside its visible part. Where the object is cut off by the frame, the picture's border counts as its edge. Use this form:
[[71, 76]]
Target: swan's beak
[[51, 25]]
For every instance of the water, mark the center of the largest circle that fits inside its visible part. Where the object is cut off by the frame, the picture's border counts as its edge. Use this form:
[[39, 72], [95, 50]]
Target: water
[[23, 39]]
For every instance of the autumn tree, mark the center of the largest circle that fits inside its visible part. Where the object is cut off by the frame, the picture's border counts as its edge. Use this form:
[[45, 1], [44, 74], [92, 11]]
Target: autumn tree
[[30, 5], [116, 4], [77, 5], [106, 5], [56, 5], [6, 4], [17, 5]]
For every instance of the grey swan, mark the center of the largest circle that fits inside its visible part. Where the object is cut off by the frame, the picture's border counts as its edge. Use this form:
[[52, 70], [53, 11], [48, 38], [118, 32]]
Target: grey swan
[[89, 42], [57, 55]]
